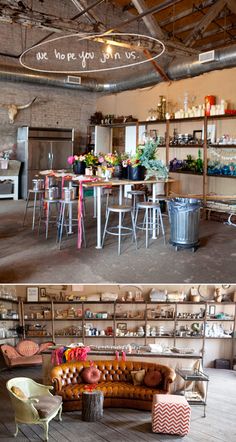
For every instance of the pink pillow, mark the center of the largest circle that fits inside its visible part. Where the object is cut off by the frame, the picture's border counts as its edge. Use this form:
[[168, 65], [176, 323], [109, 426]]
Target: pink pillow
[[27, 348], [152, 379], [90, 375]]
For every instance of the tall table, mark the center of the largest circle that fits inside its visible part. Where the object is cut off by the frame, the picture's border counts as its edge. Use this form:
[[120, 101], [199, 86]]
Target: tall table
[[121, 184]]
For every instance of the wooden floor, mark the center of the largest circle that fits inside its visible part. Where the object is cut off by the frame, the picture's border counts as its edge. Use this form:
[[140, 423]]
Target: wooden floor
[[120, 425]]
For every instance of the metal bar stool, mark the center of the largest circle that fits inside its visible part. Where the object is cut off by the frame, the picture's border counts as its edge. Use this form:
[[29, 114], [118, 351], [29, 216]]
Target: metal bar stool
[[135, 195], [159, 198], [147, 224], [121, 230], [47, 205], [66, 220], [38, 196], [110, 192]]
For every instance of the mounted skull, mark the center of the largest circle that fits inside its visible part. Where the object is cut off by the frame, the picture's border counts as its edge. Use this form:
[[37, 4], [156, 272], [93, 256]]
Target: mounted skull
[[14, 108]]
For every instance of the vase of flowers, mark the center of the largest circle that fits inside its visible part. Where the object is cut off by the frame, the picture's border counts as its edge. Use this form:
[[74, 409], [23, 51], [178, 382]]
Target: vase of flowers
[[91, 161], [4, 158], [78, 163], [115, 160], [135, 170]]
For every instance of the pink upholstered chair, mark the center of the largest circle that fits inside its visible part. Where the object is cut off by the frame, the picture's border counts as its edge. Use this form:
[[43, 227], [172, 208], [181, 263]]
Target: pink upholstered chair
[[26, 352]]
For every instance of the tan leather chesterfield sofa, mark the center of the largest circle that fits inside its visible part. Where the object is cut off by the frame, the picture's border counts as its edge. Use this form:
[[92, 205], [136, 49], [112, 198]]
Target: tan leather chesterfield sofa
[[115, 383]]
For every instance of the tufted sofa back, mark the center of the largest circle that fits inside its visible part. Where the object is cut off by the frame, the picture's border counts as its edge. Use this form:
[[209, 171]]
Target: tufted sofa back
[[70, 372]]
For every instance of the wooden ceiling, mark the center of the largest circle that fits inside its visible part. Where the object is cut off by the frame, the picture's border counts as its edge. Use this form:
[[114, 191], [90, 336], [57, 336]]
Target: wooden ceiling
[[200, 24]]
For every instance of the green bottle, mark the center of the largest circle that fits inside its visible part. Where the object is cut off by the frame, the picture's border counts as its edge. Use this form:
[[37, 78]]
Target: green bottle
[[199, 162]]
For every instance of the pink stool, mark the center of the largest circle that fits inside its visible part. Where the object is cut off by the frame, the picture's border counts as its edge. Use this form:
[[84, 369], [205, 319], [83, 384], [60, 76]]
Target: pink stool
[[170, 414]]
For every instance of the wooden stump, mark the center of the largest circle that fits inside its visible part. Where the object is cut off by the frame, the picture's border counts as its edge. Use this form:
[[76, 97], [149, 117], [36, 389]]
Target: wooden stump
[[92, 406]]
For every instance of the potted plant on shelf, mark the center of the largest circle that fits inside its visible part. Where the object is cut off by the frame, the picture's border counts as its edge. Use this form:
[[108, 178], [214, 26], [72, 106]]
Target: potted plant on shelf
[[155, 168], [78, 163]]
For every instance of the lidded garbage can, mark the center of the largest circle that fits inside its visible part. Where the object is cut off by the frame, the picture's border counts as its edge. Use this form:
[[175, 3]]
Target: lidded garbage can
[[184, 220]]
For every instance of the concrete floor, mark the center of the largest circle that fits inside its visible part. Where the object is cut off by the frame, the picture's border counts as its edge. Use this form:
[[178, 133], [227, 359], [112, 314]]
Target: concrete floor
[[27, 258]]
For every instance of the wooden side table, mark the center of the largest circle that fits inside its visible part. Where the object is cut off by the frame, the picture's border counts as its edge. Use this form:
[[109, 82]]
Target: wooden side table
[[92, 405]]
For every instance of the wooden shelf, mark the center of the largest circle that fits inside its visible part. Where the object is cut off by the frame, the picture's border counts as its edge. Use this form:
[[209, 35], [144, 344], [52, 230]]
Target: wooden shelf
[[38, 336], [177, 146], [68, 336], [171, 338], [189, 337], [35, 320], [68, 319], [222, 146], [12, 301], [9, 319], [201, 174]]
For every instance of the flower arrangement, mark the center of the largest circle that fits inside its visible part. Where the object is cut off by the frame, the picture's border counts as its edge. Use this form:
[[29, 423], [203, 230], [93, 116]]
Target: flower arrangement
[[134, 160], [91, 159], [5, 154], [73, 159]]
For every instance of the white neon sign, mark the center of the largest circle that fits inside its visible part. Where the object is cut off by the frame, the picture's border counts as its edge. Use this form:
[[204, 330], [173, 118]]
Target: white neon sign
[[79, 59]]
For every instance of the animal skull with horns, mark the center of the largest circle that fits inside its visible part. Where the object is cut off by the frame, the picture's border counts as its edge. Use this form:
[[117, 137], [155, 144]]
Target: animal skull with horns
[[14, 108]]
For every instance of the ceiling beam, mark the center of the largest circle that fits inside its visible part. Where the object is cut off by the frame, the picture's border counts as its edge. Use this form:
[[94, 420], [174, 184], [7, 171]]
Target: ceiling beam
[[187, 12], [204, 22], [84, 11], [231, 5], [29, 18], [153, 27], [155, 30], [150, 22]]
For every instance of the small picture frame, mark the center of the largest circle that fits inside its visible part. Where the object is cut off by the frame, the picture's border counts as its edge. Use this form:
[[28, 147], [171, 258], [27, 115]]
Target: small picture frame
[[197, 135], [43, 294], [122, 326], [153, 134], [212, 310], [32, 294]]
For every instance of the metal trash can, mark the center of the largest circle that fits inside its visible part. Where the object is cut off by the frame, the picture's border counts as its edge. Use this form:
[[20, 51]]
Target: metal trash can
[[184, 220]]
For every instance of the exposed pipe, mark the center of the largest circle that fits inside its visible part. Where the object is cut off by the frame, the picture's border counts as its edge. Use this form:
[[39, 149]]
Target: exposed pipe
[[8, 73], [189, 67]]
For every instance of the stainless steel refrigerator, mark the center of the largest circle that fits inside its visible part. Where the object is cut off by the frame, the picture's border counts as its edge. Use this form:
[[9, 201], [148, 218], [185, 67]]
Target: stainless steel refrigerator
[[41, 149]]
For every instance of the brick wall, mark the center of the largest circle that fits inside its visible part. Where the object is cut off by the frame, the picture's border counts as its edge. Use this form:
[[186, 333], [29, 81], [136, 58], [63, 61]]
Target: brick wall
[[54, 107]]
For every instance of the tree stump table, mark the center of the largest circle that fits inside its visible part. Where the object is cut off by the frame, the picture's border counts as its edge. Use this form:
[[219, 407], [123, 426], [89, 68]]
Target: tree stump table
[[92, 405]]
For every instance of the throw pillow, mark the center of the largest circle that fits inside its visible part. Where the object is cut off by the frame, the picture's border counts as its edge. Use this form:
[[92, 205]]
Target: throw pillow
[[152, 379], [27, 348], [138, 377], [91, 375], [19, 393]]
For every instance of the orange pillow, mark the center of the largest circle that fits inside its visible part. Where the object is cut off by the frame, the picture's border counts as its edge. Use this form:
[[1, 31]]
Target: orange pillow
[[90, 375], [152, 379], [19, 393]]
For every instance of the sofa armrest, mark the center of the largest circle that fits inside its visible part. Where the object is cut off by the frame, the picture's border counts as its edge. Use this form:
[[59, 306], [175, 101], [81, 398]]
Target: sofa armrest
[[44, 346], [9, 353], [169, 378]]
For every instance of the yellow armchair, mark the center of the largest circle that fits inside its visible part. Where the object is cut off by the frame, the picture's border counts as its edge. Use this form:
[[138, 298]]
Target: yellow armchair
[[33, 403]]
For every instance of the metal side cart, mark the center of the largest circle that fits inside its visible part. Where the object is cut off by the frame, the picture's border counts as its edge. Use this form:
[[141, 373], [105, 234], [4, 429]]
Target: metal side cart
[[192, 379]]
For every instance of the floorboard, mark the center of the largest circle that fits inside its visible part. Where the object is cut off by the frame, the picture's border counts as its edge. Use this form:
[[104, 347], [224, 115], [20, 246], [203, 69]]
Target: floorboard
[[127, 425]]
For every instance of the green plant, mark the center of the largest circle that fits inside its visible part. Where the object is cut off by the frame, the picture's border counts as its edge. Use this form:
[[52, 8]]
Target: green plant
[[148, 159]]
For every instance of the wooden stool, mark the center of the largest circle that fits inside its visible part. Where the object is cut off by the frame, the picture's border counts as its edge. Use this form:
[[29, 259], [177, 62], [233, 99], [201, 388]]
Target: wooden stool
[[92, 405]]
